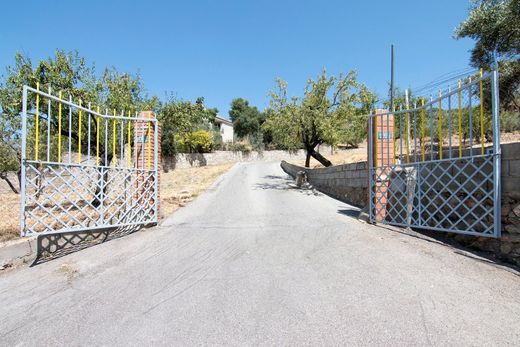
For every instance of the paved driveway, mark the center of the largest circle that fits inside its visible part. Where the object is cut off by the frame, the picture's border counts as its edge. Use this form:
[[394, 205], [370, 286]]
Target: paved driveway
[[252, 262]]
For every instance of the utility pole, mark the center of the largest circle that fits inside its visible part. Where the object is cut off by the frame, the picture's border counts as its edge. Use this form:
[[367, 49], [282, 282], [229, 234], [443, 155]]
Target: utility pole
[[392, 78]]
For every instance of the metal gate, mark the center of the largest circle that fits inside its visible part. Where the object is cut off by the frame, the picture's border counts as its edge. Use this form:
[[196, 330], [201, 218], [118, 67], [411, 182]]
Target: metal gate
[[84, 170], [436, 165]]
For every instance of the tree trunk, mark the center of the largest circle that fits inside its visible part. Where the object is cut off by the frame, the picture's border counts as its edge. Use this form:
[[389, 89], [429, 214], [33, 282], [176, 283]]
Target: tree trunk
[[307, 159], [324, 161], [3, 175]]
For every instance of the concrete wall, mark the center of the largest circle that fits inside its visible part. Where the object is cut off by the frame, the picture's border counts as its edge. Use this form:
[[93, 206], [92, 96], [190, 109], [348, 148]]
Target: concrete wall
[[347, 182], [186, 160]]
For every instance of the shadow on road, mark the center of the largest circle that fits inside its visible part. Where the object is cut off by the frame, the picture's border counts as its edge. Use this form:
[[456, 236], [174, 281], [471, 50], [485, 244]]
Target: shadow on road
[[54, 246], [354, 213]]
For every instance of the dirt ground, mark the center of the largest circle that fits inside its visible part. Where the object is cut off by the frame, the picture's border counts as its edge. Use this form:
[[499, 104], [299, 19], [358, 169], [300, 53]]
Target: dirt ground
[[178, 187], [355, 155], [341, 156], [9, 216]]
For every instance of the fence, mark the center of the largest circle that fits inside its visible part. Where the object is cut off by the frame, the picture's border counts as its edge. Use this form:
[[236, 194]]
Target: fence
[[84, 170], [442, 172]]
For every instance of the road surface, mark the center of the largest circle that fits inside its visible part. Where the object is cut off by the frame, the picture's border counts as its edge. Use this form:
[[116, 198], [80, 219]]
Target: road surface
[[253, 262]]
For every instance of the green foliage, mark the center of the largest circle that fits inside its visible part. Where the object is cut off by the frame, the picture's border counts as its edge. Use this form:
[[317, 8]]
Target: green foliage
[[70, 74], [330, 111], [199, 141], [247, 120], [179, 119], [495, 27], [509, 121]]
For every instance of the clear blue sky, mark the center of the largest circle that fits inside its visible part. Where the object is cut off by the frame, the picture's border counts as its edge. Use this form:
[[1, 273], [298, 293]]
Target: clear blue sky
[[227, 49]]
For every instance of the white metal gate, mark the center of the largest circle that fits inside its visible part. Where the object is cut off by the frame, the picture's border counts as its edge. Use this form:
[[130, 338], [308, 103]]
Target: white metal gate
[[437, 165], [84, 170]]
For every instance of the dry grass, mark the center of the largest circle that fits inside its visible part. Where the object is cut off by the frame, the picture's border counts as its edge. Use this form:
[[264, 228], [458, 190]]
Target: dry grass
[[343, 156], [182, 185], [177, 188], [9, 216]]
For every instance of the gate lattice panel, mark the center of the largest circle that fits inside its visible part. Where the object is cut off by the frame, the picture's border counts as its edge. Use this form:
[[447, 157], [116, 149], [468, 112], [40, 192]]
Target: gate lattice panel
[[83, 170], [434, 166]]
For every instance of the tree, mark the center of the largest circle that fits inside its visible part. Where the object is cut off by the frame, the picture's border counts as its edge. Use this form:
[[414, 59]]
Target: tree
[[247, 120], [495, 27], [325, 114], [70, 74], [180, 118]]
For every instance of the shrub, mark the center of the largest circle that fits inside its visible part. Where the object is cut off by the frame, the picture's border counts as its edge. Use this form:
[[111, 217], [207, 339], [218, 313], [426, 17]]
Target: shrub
[[509, 121], [241, 146], [199, 141]]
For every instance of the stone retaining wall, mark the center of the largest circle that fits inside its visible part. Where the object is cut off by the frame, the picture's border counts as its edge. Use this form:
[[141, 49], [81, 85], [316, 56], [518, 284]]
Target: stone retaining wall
[[186, 160], [347, 182]]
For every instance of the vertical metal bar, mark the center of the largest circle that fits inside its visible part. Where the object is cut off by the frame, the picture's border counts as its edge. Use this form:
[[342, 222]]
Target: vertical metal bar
[[430, 113], [370, 166], [59, 127], [88, 140], [114, 125], [49, 126], [388, 140], [141, 132], [401, 138], [407, 115], [149, 147], [440, 125], [129, 164], [382, 148], [450, 132], [481, 112], [23, 158], [37, 121], [79, 132], [415, 132], [156, 169], [97, 136], [470, 119], [496, 149], [106, 137], [423, 132], [121, 142], [70, 126], [102, 193], [460, 119]]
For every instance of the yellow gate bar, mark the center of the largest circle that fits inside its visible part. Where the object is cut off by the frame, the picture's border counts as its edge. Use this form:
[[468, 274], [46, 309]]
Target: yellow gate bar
[[423, 135], [481, 113], [440, 124], [114, 139], [148, 145], [460, 122]]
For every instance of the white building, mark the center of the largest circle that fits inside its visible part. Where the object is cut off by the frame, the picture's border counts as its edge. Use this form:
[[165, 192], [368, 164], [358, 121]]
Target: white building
[[226, 129]]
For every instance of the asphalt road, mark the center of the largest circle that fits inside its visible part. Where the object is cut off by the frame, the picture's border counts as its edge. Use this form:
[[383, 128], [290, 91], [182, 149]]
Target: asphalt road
[[253, 262]]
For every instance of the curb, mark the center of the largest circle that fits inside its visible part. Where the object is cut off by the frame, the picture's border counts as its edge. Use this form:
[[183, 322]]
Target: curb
[[17, 252]]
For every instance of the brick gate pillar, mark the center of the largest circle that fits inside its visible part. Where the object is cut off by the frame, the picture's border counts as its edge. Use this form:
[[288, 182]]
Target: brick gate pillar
[[383, 157], [144, 160]]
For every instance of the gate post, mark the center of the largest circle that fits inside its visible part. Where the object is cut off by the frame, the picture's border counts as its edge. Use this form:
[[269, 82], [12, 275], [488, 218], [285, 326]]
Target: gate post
[[147, 161], [381, 157]]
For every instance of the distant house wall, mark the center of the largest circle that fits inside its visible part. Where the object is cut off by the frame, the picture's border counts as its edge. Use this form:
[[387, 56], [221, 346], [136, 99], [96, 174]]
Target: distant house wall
[[227, 132]]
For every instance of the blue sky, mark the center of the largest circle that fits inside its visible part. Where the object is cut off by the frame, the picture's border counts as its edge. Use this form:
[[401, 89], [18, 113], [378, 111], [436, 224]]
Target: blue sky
[[227, 49]]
